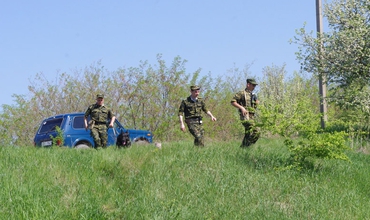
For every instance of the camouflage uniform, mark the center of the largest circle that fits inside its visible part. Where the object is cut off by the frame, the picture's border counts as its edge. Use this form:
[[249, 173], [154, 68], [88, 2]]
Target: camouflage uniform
[[246, 99], [99, 116], [193, 118]]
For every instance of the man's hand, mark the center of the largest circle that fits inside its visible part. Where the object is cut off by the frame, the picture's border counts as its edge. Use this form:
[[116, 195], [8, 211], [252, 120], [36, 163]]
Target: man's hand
[[245, 113], [85, 123], [113, 119]]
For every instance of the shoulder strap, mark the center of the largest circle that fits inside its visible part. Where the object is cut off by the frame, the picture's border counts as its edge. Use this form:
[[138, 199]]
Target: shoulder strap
[[245, 97]]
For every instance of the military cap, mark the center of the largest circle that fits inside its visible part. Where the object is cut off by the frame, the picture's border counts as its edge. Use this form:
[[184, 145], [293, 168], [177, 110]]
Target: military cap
[[252, 81], [100, 96], [194, 88]]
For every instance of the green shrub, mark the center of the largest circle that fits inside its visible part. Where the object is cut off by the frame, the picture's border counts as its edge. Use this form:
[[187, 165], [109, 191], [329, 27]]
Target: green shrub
[[317, 146], [302, 122], [58, 140]]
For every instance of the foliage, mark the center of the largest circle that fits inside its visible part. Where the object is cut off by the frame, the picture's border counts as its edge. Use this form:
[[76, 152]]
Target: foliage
[[342, 55], [289, 105], [19, 123], [357, 134], [303, 121], [287, 124], [317, 145], [287, 111], [58, 140]]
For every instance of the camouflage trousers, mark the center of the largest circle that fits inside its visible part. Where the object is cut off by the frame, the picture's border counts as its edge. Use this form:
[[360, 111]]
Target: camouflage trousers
[[100, 135], [196, 129], [251, 133]]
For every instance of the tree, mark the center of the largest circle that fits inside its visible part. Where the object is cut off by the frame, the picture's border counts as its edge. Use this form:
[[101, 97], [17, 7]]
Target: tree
[[345, 55], [286, 102]]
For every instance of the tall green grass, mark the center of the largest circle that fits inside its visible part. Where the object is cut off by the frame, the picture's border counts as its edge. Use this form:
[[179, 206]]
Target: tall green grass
[[179, 181]]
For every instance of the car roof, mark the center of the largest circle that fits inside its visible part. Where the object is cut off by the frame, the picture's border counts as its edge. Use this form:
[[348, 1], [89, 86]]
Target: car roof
[[65, 115]]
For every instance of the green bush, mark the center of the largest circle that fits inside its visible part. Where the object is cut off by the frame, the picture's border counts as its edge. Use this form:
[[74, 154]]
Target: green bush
[[317, 146], [302, 122], [58, 140]]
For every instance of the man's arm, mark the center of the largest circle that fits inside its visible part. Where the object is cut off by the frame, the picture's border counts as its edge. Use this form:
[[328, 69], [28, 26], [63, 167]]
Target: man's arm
[[181, 115], [87, 113], [212, 117], [182, 125], [112, 121], [242, 109], [85, 121]]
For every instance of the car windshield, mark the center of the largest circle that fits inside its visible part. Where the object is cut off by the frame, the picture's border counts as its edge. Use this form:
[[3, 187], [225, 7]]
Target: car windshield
[[50, 125]]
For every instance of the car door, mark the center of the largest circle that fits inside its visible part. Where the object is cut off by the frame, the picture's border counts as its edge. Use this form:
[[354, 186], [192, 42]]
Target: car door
[[113, 133], [75, 131]]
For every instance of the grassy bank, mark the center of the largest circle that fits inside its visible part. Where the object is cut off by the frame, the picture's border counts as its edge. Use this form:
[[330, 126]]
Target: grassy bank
[[220, 181]]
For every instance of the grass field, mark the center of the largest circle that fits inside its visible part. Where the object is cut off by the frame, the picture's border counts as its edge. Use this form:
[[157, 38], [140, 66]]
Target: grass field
[[179, 181]]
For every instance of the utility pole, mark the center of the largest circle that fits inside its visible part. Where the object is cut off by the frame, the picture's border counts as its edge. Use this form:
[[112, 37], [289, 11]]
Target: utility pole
[[322, 77]]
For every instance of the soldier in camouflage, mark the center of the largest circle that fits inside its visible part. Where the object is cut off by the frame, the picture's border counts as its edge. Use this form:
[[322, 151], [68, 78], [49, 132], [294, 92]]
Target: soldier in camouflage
[[192, 108], [246, 102], [98, 124]]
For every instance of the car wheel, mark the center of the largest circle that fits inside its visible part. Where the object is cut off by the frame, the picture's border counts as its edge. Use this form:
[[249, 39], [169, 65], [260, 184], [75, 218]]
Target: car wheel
[[141, 142], [82, 146]]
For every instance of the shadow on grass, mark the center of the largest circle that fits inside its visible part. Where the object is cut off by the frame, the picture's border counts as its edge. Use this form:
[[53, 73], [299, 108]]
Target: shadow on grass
[[262, 159]]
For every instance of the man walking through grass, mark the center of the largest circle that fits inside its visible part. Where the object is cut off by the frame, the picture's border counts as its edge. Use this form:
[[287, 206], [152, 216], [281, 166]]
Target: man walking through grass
[[99, 114], [246, 102], [192, 108]]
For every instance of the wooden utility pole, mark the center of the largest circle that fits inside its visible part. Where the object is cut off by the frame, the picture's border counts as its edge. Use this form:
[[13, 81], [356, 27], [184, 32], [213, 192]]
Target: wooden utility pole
[[322, 77]]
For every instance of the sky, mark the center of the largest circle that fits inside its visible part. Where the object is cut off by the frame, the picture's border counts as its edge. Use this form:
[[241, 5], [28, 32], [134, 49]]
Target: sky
[[51, 37]]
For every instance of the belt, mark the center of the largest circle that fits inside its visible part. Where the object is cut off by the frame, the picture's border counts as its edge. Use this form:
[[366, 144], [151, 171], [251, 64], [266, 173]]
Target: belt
[[192, 120], [100, 123]]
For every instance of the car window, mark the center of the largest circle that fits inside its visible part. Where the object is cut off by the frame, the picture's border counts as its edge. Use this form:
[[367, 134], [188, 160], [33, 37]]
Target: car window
[[50, 125], [78, 122]]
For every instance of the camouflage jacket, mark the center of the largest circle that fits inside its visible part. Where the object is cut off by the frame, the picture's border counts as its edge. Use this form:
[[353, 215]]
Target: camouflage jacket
[[99, 113], [246, 99], [192, 109]]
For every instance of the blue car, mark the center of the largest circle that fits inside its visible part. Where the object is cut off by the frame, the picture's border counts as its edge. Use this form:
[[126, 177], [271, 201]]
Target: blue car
[[76, 136]]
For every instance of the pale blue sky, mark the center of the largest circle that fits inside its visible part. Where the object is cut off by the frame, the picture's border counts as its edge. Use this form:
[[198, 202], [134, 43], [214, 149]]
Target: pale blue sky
[[51, 36]]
